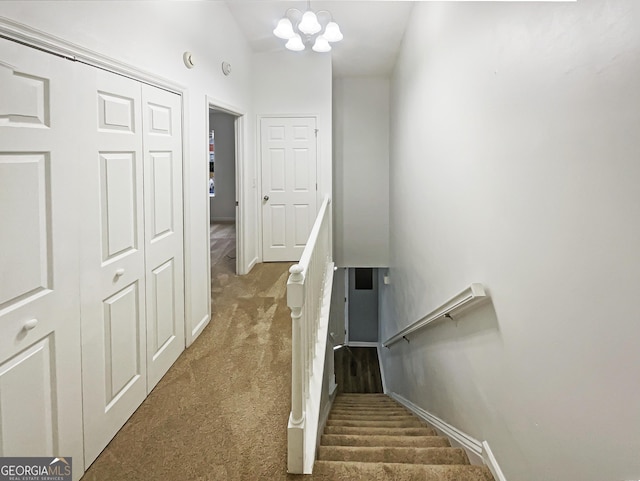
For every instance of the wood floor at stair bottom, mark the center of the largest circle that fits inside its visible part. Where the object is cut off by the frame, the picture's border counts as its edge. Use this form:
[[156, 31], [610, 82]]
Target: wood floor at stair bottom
[[371, 437]]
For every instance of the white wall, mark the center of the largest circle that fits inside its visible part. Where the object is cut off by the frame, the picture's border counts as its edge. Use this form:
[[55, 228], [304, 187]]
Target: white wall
[[297, 83], [223, 204], [152, 36], [515, 154], [361, 164]]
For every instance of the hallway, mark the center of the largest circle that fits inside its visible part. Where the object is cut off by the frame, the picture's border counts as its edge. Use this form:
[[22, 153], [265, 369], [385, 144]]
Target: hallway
[[221, 411]]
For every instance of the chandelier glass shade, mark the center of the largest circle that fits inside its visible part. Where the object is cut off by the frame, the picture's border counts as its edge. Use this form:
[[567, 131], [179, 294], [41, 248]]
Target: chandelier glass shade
[[302, 29]]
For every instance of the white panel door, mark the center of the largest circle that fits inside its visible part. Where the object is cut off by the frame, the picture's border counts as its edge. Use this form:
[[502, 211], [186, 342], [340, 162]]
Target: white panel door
[[162, 142], [288, 153], [40, 377], [112, 250]]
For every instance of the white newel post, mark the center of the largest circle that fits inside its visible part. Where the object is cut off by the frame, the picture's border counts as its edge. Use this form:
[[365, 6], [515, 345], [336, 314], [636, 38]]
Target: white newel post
[[295, 435]]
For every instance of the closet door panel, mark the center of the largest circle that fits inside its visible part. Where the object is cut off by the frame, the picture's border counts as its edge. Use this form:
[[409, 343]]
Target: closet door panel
[[164, 230], [118, 204], [113, 263], [40, 377], [36, 411]]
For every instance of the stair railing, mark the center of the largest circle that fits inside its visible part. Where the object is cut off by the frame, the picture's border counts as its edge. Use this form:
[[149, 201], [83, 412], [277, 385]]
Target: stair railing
[[309, 297], [472, 295]]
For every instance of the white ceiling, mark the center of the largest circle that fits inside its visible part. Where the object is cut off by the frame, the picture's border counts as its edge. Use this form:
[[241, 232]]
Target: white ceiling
[[372, 30]]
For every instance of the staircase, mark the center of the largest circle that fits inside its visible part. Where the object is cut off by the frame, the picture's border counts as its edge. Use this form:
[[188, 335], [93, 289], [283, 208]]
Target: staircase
[[371, 437]]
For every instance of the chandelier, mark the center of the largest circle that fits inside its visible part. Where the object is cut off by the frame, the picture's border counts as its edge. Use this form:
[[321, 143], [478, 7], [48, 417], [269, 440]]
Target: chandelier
[[307, 30]]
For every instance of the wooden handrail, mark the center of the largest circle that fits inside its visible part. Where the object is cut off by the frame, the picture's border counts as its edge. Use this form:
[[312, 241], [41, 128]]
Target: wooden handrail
[[468, 297], [305, 258]]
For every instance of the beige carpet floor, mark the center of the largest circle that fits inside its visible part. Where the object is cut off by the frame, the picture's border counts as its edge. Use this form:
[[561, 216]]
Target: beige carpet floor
[[221, 411]]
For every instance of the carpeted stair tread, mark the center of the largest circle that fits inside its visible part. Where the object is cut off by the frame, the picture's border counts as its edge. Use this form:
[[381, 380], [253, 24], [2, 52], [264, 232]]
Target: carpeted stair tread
[[362, 395], [371, 437], [364, 400], [363, 431], [392, 454], [371, 417], [391, 414], [371, 409], [377, 409], [368, 407], [355, 471], [369, 399], [380, 440], [401, 423]]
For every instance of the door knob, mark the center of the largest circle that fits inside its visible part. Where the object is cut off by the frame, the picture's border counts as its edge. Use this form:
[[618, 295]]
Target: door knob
[[30, 324], [266, 197], [119, 273]]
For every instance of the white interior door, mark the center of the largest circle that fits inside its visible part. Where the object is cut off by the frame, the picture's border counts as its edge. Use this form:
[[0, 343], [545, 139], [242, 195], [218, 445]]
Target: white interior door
[[40, 378], [113, 260], [163, 230], [289, 156]]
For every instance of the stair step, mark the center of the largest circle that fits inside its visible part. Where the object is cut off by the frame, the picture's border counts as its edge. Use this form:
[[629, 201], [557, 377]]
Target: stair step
[[362, 395], [379, 440], [391, 407], [364, 400], [355, 471], [387, 454], [371, 436], [372, 416], [402, 423], [370, 412], [384, 431], [370, 406]]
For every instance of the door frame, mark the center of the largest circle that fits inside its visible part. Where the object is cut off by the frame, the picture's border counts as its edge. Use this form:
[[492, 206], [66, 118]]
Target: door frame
[[319, 189], [346, 305], [241, 187]]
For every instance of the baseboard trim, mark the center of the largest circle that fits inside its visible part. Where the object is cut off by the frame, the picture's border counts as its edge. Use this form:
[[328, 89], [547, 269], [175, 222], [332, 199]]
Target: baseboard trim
[[472, 446], [381, 367], [223, 220], [362, 344], [252, 264], [197, 330], [324, 415], [492, 463]]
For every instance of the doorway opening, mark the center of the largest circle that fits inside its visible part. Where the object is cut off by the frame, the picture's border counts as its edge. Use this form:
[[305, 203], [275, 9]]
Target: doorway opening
[[224, 151]]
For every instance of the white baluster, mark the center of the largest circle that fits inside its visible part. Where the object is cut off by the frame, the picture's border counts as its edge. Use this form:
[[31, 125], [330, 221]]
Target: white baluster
[[295, 299]]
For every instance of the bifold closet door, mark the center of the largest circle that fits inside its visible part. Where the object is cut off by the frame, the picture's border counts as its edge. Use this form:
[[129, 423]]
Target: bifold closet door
[[113, 291], [162, 142], [132, 248], [40, 377]]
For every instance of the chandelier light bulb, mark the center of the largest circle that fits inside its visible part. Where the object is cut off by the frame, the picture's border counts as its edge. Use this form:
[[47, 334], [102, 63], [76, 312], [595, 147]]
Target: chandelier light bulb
[[332, 32], [309, 24], [284, 29], [321, 45], [302, 29], [295, 43]]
